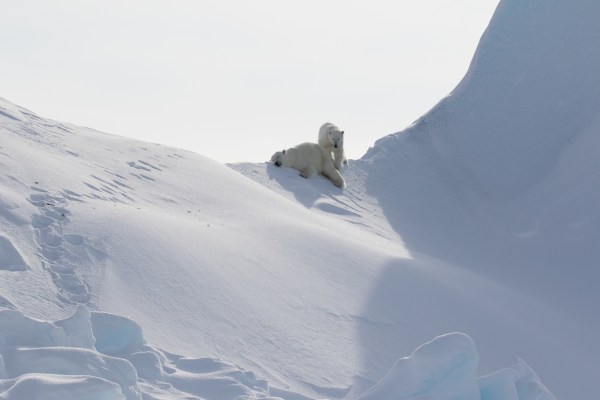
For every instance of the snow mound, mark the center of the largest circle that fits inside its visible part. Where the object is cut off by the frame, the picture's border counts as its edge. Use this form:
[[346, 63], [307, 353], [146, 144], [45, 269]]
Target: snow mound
[[446, 368], [18, 330], [518, 382], [72, 361], [55, 387], [101, 356], [116, 335], [40, 360]]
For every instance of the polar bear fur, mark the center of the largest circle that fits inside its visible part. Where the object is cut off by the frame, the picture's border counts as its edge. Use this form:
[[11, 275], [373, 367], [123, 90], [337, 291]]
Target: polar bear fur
[[332, 138], [310, 159]]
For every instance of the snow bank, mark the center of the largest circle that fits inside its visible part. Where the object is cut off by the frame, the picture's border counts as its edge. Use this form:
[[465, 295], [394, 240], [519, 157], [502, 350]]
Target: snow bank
[[58, 367], [518, 382], [72, 361], [67, 359], [18, 330], [116, 335], [445, 369], [42, 359], [497, 177], [59, 387]]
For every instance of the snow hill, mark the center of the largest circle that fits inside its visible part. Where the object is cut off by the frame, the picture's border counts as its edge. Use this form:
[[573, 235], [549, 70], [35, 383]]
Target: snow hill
[[133, 271], [461, 257]]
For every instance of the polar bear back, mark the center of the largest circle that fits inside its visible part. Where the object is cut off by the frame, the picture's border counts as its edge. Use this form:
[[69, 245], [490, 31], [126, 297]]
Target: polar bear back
[[309, 159], [304, 155]]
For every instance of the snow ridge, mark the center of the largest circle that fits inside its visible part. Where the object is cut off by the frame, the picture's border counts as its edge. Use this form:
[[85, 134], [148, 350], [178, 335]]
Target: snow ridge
[[41, 359]]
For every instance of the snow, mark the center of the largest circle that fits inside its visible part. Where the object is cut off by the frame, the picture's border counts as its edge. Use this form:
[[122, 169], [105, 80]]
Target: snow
[[513, 383], [63, 387], [461, 245], [445, 368], [10, 258]]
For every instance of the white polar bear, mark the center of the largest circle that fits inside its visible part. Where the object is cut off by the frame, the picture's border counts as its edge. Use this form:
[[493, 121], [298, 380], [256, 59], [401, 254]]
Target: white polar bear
[[332, 138], [310, 159]]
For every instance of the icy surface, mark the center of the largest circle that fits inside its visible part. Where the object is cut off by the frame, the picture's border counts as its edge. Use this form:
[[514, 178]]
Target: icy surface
[[445, 368], [514, 383]]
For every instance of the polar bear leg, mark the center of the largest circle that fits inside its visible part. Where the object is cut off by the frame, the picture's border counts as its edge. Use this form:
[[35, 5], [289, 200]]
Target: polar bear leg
[[333, 174], [309, 172], [338, 157]]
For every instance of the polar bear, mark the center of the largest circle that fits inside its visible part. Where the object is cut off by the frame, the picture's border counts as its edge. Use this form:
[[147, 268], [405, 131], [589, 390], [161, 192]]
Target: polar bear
[[332, 138], [310, 159]]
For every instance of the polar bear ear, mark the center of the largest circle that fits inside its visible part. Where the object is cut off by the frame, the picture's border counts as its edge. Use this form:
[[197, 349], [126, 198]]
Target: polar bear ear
[[283, 151]]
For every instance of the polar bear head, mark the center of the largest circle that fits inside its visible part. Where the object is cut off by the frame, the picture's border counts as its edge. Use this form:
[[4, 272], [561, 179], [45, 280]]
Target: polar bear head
[[336, 137], [277, 158]]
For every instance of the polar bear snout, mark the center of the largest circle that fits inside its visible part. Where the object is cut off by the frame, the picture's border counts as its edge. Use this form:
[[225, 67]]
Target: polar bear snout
[[277, 158]]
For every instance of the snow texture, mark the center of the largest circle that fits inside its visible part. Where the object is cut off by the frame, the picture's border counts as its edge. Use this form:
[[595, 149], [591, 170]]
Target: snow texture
[[445, 368], [130, 270]]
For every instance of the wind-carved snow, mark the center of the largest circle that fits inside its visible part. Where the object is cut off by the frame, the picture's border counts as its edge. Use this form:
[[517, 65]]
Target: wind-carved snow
[[445, 368], [99, 355], [40, 358], [10, 257], [103, 355]]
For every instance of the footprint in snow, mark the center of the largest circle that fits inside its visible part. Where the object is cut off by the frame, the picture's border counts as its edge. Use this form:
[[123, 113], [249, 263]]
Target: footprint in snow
[[56, 247]]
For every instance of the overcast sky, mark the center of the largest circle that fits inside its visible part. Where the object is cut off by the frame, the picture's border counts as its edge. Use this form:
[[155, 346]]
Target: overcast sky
[[237, 80]]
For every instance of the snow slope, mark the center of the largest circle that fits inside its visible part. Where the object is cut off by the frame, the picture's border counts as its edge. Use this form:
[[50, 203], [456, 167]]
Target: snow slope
[[200, 282], [515, 147], [500, 178], [131, 270], [178, 243]]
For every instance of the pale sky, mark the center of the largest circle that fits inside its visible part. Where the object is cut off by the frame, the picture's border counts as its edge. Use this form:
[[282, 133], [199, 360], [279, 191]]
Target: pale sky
[[237, 80]]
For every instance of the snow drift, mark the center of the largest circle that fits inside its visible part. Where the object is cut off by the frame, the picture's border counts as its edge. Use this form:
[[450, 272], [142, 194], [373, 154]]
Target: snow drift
[[179, 280], [446, 368], [499, 179]]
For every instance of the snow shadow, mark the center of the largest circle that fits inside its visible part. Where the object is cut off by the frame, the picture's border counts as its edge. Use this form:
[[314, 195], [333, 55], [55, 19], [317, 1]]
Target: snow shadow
[[411, 304], [307, 192], [468, 272], [448, 218]]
